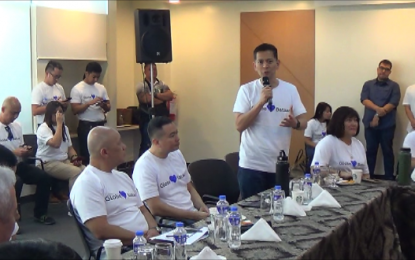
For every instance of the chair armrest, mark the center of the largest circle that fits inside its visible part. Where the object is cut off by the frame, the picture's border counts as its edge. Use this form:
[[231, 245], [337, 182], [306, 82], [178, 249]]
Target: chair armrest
[[36, 159], [209, 198]]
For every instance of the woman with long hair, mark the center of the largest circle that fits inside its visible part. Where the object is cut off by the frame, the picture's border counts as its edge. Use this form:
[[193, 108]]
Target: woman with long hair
[[340, 149], [59, 158], [316, 129]]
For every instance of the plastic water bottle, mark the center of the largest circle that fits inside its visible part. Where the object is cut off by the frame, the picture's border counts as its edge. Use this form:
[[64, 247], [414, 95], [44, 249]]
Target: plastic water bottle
[[222, 205], [316, 172], [180, 237], [308, 183], [234, 234], [139, 244], [277, 204]]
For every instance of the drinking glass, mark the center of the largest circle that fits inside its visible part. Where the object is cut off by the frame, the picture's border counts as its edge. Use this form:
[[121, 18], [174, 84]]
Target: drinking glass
[[266, 199], [333, 177], [163, 251], [220, 228]]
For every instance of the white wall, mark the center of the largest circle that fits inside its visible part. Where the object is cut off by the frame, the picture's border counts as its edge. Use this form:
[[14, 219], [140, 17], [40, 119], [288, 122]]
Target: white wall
[[96, 6], [350, 42]]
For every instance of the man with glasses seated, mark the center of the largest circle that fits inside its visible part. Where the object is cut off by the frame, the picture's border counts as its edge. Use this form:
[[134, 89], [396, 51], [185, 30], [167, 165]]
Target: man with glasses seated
[[380, 97], [162, 178], [105, 200], [48, 90], [11, 136]]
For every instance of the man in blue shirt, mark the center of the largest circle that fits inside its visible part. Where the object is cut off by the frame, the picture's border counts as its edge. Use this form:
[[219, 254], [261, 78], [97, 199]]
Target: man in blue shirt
[[380, 97]]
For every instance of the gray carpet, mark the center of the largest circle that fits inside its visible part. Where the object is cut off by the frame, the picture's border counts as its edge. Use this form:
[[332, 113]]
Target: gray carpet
[[63, 231]]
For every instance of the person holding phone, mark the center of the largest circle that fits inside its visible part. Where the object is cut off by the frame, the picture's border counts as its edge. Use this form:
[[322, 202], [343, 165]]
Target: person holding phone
[[90, 102], [60, 159], [48, 90]]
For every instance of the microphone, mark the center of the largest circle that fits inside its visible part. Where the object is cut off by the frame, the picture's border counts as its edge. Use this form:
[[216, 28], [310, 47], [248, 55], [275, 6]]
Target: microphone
[[265, 82]]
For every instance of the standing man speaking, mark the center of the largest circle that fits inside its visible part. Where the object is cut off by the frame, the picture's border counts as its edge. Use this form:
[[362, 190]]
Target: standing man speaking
[[266, 110]]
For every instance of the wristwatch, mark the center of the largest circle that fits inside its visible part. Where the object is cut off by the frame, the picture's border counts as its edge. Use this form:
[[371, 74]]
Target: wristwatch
[[298, 125], [156, 228], [377, 115]]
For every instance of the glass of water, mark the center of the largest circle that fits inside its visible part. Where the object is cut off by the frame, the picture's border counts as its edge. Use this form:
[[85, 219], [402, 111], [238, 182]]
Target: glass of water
[[163, 251], [266, 200], [220, 228]]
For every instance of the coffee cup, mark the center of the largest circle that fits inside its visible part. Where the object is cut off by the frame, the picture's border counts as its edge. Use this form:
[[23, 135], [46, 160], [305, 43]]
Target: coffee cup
[[113, 249], [357, 175], [298, 196]]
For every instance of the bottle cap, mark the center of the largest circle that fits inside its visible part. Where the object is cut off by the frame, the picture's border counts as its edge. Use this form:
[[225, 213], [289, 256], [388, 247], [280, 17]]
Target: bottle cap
[[282, 156], [179, 224], [222, 197], [316, 163], [307, 175], [139, 233], [277, 187], [234, 208]]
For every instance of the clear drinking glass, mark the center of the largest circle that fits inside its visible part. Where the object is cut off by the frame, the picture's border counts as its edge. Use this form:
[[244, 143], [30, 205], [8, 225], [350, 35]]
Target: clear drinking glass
[[163, 251], [220, 228], [333, 176], [266, 200]]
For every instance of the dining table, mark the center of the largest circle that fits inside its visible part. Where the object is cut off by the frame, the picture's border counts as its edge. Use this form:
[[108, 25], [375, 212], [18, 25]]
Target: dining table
[[376, 220]]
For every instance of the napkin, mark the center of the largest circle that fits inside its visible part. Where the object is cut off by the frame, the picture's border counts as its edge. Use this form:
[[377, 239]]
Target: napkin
[[413, 175], [315, 190], [207, 253], [291, 208], [260, 231], [324, 199]]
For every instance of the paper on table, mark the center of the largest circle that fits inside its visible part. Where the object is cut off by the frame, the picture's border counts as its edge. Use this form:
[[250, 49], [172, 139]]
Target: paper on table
[[291, 208], [325, 199], [192, 237], [315, 190], [207, 253], [261, 231]]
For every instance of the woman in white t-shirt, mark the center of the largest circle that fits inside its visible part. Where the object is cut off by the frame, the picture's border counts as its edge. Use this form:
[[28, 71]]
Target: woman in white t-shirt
[[55, 146], [316, 129], [340, 149]]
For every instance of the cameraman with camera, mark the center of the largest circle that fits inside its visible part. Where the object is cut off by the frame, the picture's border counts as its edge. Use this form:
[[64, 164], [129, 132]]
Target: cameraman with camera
[[162, 94]]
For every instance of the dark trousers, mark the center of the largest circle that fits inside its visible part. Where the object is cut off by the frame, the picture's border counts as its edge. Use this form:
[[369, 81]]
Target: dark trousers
[[30, 174], [145, 139], [83, 130], [252, 182], [384, 137], [309, 152]]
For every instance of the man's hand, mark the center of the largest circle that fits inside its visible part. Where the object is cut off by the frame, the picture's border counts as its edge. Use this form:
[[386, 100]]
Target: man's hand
[[374, 122], [151, 233], [289, 121], [413, 124], [381, 111], [204, 208], [94, 101], [21, 151], [266, 93], [201, 215]]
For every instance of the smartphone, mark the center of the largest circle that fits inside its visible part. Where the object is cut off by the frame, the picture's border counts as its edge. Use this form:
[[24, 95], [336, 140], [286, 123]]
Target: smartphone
[[68, 99]]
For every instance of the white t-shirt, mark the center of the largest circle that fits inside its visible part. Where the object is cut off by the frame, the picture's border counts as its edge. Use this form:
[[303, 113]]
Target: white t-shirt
[[96, 193], [15, 230], [17, 140], [46, 152], [164, 178], [82, 93], [315, 130], [409, 142], [42, 94], [262, 142], [337, 154], [409, 99]]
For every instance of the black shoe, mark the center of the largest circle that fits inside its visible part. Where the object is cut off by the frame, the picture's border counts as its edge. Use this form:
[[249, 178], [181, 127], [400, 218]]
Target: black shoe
[[46, 220]]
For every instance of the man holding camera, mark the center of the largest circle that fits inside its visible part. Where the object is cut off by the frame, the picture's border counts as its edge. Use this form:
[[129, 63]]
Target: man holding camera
[[11, 137], [162, 94]]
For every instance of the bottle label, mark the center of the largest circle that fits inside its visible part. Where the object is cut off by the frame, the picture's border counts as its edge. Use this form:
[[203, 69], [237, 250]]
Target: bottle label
[[180, 239], [234, 220], [222, 209]]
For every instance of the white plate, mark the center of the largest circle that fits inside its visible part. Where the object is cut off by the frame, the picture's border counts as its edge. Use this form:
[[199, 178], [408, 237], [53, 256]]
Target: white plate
[[345, 183], [214, 211]]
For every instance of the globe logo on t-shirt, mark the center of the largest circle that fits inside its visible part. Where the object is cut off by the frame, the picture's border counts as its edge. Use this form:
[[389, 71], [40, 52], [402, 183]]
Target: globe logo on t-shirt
[[354, 163], [123, 194], [173, 178], [55, 98], [323, 134], [92, 96], [270, 107]]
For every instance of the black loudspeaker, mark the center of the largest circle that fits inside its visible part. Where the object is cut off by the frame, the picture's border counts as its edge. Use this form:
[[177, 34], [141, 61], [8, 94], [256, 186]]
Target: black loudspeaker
[[152, 36]]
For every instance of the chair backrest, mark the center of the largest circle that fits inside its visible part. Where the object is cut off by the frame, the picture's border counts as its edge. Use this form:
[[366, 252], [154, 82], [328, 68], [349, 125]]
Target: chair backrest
[[214, 177], [80, 230], [233, 160]]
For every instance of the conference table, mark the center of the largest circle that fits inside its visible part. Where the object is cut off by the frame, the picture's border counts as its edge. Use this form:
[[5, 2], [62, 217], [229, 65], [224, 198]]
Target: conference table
[[375, 221]]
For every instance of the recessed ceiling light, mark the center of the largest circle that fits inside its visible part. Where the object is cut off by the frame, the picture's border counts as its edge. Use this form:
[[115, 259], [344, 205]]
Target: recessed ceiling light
[[174, 1]]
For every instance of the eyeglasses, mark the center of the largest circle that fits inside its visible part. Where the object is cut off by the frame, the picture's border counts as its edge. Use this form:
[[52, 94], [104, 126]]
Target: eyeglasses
[[385, 69], [55, 76], [9, 132]]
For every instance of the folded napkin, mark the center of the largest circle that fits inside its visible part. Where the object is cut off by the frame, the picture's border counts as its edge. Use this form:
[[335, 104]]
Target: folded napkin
[[207, 253], [413, 175], [315, 190], [260, 231], [291, 208], [324, 199]]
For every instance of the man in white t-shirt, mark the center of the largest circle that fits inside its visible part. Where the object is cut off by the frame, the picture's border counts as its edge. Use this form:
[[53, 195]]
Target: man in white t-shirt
[[48, 90], [409, 105], [90, 102], [11, 137], [8, 203], [161, 176], [265, 116], [106, 200], [162, 94]]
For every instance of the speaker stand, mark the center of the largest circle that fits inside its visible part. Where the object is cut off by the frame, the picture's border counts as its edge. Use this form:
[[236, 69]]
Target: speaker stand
[[152, 88]]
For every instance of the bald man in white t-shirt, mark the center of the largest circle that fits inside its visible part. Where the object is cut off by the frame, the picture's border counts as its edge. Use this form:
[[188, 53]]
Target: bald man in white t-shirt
[[162, 179], [265, 114]]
